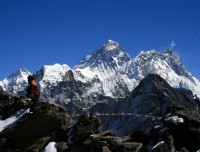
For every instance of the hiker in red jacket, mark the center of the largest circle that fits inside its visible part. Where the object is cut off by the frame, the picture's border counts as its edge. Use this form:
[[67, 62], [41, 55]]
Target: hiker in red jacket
[[32, 91]]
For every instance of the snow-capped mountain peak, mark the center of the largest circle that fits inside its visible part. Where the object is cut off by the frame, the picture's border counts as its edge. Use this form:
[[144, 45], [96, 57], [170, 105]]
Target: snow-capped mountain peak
[[111, 45], [51, 74], [173, 54], [20, 72], [17, 81], [108, 71], [104, 62], [167, 64], [55, 69]]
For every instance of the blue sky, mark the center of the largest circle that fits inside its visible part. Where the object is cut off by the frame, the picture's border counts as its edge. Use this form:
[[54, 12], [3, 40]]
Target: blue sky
[[44, 32]]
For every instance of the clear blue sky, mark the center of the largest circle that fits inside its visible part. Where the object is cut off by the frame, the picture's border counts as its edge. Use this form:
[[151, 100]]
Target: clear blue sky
[[38, 32]]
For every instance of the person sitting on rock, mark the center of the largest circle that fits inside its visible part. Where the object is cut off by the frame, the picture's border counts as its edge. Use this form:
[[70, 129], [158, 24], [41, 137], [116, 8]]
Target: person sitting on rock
[[32, 91]]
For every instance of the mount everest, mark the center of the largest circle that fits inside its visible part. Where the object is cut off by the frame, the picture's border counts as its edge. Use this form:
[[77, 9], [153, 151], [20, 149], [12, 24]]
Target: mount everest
[[105, 74]]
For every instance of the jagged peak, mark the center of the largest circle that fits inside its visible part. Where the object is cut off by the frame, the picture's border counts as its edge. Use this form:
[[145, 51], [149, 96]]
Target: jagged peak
[[172, 53], [20, 71], [51, 73], [168, 50], [166, 53], [151, 51], [152, 77], [109, 41], [111, 54], [153, 86], [147, 52], [110, 45], [55, 68], [149, 83], [17, 78]]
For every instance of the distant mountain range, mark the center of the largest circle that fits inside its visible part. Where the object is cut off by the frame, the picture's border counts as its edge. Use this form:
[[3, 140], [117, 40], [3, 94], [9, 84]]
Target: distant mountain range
[[150, 91], [108, 73]]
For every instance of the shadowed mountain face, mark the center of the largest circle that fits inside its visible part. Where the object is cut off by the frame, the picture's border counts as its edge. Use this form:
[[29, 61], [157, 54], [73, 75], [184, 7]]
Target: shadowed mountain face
[[154, 95], [148, 103]]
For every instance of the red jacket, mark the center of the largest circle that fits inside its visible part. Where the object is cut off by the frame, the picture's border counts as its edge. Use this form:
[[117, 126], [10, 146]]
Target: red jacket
[[33, 89]]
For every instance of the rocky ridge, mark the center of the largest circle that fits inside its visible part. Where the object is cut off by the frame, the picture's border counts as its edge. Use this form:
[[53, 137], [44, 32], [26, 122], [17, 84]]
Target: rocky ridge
[[147, 105]]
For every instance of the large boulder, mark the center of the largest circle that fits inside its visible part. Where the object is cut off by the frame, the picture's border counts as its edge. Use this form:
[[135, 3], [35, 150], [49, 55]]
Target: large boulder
[[184, 127], [165, 146], [87, 125], [44, 123]]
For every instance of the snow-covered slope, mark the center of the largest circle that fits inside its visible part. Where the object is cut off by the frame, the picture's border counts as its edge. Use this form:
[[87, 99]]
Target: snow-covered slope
[[16, 82], [101, 68], [51, 74], [167, 64], [104, 62], [13, 119]]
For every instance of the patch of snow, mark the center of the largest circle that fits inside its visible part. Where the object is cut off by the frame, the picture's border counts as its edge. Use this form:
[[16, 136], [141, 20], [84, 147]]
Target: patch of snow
[[88, 56], [175, 119], [88, 72], [158, 144], [111, 45], [116, 61], [13, 119], [50, 147]]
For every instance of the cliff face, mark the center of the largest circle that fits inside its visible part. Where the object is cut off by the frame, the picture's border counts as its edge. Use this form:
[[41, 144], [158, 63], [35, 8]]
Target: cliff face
[[148, 103]]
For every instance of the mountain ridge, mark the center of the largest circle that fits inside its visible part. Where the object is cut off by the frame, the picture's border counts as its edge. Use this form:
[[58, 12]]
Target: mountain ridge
[[148, 103], [110, 71]]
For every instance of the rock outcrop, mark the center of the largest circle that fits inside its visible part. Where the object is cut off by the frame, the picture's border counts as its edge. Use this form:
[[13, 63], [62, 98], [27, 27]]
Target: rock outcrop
[[43, 123]]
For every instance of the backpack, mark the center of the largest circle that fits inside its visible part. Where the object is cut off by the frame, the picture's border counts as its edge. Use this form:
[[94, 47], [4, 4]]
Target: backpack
[[35, 89]]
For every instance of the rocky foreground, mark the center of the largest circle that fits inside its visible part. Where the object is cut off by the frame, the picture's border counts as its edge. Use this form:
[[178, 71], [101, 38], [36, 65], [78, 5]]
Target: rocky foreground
[[44, 123]]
